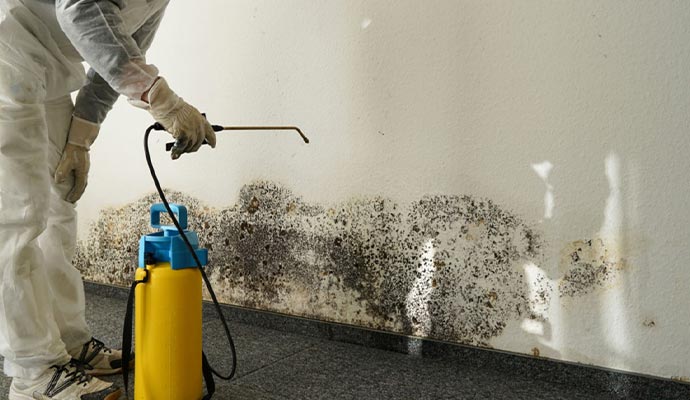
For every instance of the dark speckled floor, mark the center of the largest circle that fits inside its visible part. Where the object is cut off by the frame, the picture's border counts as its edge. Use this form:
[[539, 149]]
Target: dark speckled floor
[[279, 365]]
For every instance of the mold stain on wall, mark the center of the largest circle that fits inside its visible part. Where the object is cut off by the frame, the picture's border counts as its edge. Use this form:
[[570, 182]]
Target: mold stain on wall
[[587, 265], [444, 267]]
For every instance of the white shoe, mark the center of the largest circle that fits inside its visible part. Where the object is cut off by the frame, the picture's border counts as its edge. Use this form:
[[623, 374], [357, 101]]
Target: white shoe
[[64, 382], [97, 359]]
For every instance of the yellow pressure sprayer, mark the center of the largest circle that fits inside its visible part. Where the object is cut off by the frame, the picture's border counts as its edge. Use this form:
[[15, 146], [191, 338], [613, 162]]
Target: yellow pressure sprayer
[[168, 313], [170, 362]]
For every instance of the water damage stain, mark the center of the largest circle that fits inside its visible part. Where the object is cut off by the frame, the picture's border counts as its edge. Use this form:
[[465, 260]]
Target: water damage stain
[[587, 265], [445, 267]]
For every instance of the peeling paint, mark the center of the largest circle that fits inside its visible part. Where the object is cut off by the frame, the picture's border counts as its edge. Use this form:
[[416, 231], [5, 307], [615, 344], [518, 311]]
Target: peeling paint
[[445, 267]]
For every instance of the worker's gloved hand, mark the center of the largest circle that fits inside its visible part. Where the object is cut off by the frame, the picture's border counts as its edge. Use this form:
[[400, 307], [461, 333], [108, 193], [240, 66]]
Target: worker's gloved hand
[[182, 120], [75, 156]]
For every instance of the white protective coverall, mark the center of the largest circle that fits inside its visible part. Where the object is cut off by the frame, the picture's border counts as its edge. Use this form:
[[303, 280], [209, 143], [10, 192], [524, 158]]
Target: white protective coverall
[[42, 43]]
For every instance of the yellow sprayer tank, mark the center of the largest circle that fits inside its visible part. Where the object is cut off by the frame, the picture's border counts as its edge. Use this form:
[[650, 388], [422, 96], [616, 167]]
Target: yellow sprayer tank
[[167, 331]]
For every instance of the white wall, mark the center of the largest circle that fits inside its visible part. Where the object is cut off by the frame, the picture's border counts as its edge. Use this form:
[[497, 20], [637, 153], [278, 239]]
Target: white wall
[[405, 98]]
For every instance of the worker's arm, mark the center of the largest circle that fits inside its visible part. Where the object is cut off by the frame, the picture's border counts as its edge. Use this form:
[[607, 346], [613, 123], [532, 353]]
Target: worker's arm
[[98, 32], [96, 97]]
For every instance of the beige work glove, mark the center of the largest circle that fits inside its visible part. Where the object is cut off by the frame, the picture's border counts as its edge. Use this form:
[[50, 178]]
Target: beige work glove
[[75, 156], [184, 122]]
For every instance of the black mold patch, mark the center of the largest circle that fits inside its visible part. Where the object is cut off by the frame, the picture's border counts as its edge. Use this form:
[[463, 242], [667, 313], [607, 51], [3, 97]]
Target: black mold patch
[[111, 252], [445, 267], [589, 264]]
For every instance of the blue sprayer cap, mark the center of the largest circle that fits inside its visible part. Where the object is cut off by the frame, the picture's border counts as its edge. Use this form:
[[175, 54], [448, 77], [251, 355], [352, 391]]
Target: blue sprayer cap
[[167, 245]]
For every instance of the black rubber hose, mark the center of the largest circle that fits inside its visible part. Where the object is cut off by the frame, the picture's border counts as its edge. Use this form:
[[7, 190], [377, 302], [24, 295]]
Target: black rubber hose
[[159, 127]]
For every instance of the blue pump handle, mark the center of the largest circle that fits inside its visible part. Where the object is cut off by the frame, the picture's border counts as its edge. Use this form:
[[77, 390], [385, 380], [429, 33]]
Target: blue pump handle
[[159, 208]]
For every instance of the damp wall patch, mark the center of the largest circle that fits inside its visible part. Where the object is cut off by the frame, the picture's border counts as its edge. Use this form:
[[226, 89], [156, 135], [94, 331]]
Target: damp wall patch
[[587, 265], [445, 267]]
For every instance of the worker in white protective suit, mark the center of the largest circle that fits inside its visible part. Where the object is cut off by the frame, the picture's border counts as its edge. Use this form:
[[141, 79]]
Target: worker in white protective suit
[[47, 346]]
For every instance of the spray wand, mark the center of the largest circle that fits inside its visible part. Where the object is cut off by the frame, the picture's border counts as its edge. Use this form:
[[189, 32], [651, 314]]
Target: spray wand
[[219, 128]]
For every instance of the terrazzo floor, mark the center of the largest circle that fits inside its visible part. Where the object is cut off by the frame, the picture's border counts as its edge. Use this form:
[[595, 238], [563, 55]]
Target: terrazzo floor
[[281, 366]]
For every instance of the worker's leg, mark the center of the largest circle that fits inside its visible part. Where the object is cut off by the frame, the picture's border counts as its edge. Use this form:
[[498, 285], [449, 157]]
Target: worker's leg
[[58, 241], [29, 336]]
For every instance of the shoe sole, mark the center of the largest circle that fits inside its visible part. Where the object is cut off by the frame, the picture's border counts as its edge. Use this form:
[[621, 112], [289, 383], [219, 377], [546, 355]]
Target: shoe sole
[[17, 396], [112, 396]]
